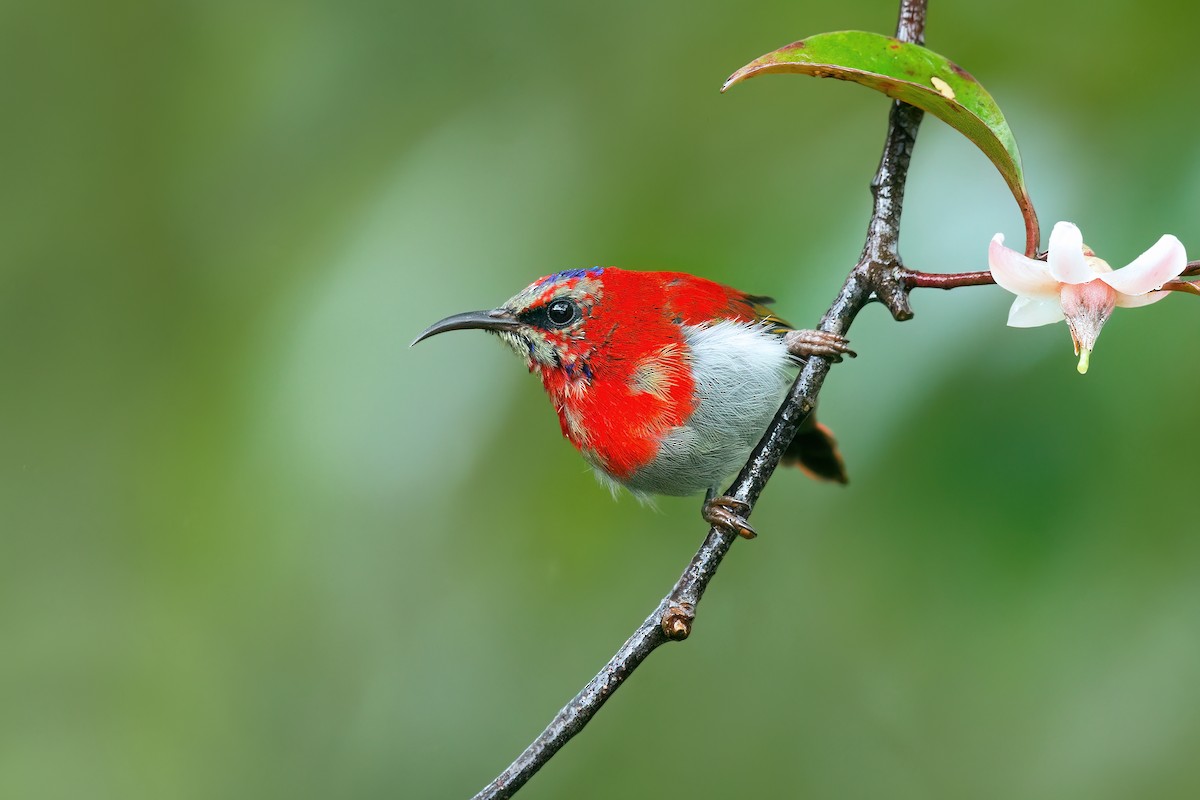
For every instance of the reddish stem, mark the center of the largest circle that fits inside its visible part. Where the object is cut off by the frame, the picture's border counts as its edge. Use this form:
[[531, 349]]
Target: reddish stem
[[1191, 287], [934, 280]]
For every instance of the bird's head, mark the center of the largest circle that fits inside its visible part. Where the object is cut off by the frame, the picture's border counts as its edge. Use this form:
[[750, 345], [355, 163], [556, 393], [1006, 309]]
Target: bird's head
[[546, 323]]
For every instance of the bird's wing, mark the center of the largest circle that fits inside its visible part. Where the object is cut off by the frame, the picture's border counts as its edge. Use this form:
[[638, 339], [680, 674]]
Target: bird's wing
[[754, 308], [696, 301]]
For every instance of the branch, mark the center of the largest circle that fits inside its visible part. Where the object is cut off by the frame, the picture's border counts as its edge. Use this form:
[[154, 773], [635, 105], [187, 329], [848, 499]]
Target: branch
[[933, 280], [878, 274], [674, 614], [1190, 287]]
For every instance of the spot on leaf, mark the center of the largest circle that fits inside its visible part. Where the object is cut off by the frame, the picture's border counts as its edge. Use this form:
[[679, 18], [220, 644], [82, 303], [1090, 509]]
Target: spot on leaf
[[943, 88]]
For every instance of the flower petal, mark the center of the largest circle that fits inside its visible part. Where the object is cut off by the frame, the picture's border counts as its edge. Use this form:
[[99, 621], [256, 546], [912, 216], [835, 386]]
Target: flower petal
[[1135, 300], [1162, 262], [1022, 276], [1067, 263], [1030, 312]]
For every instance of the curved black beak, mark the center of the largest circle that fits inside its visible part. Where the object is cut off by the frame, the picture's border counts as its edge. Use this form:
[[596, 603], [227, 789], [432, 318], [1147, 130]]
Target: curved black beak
[[498, 319]]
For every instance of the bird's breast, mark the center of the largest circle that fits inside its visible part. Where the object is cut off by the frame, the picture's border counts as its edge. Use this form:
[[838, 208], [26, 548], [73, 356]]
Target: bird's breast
[[680, 417], [740, 373], [620, 417]]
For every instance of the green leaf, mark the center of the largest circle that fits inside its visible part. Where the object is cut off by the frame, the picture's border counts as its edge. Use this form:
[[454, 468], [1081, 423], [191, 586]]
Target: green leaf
[[917, 76]]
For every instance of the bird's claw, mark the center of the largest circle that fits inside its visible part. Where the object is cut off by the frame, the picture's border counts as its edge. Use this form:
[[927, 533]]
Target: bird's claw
[[806, 343], [730, 514]]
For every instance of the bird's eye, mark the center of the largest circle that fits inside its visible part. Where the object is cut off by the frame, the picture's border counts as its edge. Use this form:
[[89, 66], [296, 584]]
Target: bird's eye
[[561, 313]]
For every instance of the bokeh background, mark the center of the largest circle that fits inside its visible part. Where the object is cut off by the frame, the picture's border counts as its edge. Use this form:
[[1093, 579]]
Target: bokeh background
[[252, 546]]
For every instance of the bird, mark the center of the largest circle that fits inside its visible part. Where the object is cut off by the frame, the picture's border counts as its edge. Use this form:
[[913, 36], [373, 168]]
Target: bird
[[663, 381]]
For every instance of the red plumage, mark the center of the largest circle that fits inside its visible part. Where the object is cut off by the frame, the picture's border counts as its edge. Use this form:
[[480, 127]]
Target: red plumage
[[636, 322], [662, 380]]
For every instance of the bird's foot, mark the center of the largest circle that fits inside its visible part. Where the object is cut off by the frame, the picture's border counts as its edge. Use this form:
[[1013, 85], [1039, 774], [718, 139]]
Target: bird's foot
[[727, 513], [817, 343]]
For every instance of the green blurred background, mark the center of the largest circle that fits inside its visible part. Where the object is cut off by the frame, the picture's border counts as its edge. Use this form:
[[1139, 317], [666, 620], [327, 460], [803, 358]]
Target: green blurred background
[[252, 546]]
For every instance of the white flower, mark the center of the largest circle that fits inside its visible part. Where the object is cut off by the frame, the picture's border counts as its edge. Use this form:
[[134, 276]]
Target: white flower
[[1076, 286]]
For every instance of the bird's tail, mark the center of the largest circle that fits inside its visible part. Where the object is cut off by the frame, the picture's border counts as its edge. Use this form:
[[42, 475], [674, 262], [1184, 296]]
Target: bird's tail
[[814, 450]]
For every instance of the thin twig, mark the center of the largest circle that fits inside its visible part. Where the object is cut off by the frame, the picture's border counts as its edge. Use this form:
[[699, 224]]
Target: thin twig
[[877, 275], [649, 635], [1189, 287], [933, 280]]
